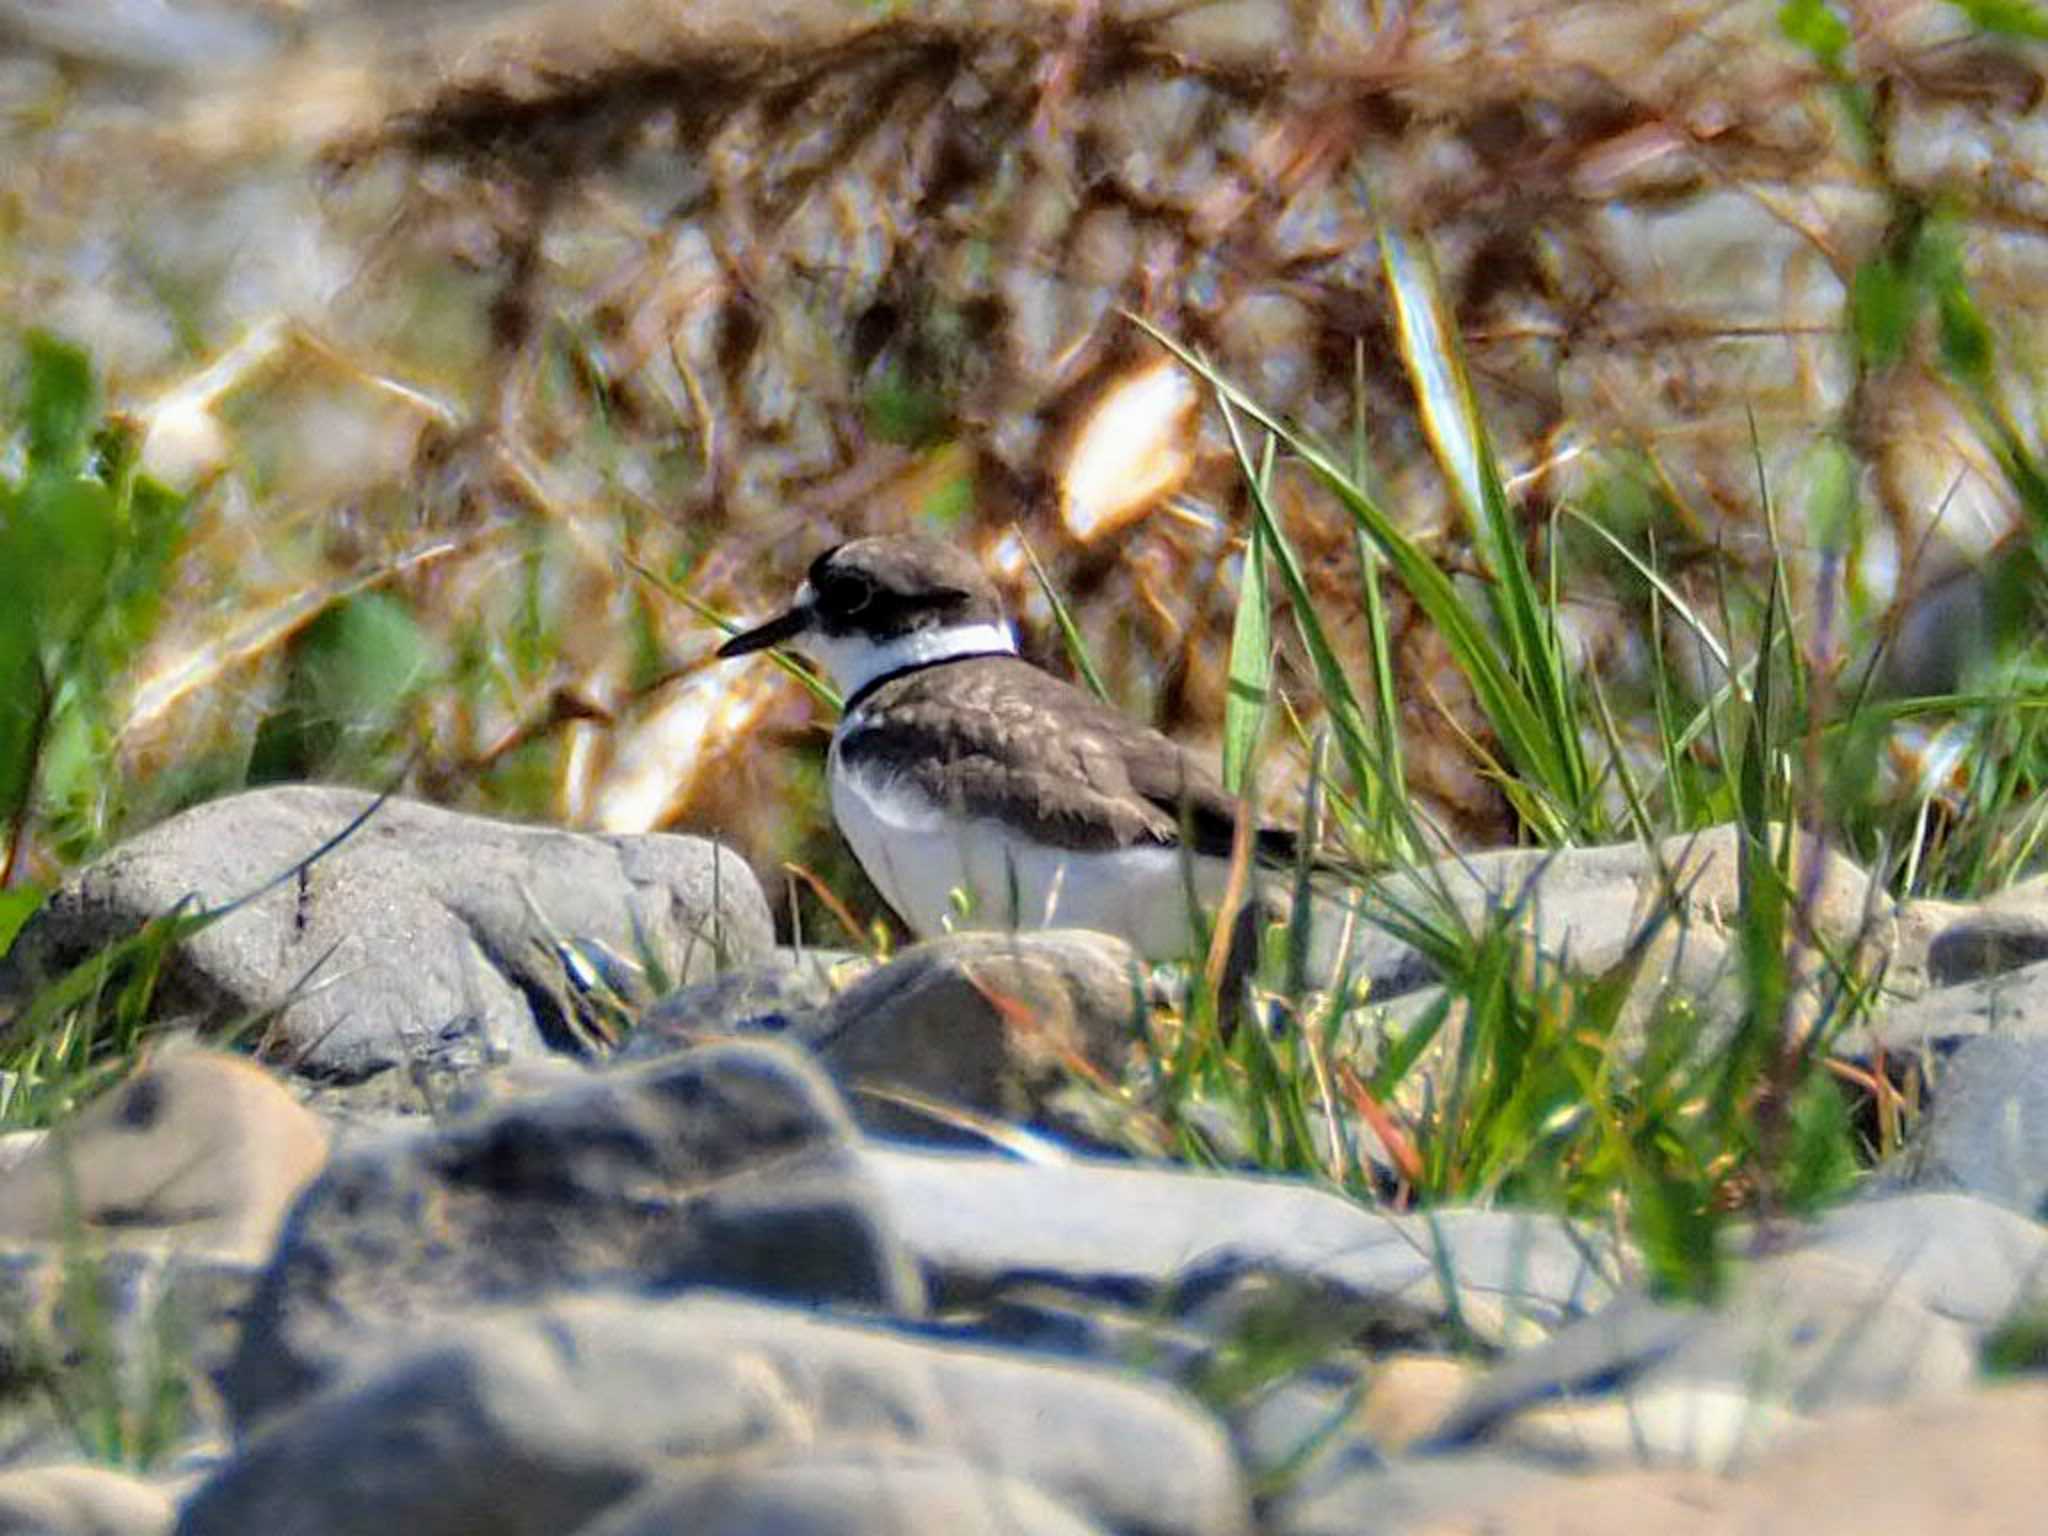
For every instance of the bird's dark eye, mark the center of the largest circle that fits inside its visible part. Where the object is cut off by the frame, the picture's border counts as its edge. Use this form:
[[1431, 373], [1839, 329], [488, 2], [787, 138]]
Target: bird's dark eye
[[844, 592]]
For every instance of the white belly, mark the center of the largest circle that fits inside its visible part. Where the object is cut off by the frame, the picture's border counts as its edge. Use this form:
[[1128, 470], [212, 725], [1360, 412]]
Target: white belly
[[941, 874]]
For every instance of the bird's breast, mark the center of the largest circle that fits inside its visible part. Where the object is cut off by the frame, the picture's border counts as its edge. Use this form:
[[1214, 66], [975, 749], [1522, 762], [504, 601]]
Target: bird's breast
[[942, 871]]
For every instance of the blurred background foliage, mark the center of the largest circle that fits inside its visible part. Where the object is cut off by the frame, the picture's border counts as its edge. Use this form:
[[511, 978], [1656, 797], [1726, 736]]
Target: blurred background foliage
[[399, 387]]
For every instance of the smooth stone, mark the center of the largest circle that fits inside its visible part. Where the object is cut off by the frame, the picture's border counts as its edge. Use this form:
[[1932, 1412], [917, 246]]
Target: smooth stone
[[81, 1500], [852, 1492], [998, 1024], [1045, 1317], [948, 1036], [144, 1328], [425, 938], [1958, 1463], [1987, 1130], [196, 1149], [1411, 1494], [1963, 1258], [1676, 902], [1693, 1424], [733, 1165], [1800, 1333], [532, 1421], [1589, 904], [1986, 943], [2008, 1002], [16, 1147], [1300, 1432], [1408, 1398], [783, 993], [978, 1223], [143, 38]]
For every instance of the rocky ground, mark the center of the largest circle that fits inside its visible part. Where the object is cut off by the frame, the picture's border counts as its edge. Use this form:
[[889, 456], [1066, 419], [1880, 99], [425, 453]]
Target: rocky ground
[[473, 1176], [826, 1247]]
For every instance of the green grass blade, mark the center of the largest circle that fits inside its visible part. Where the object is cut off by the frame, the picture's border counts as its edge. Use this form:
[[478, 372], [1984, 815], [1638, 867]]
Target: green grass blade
[[1451, 420], [1070, 632], [813, 684], [1505, 702], [1250, 689]]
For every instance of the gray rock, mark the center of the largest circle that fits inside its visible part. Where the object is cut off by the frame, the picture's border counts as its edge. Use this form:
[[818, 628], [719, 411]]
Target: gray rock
[[1669, 906], [531, 1422], [195, 1149], [1981, 1049], [79, 1500], [853, 1492], [1799, 1333], [733, 1165], [1589, 903], [1418, 1494], [1962, 1258], [1987, 1131], [1582, 905], [2011, 1001], [786, 992], [1963, 1462], [126, 1331], [1987, 942], [424, 938], [146, 36], [995, 1023], [979, 1223], [1877, 1301], [950, 1035], [1301, 1432], [1329, 1443]]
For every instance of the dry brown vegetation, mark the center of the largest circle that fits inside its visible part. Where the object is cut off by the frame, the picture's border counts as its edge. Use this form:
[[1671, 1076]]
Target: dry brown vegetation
[[556, 297]]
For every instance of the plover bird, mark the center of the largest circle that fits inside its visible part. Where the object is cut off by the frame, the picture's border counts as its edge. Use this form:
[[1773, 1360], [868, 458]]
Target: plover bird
[[980, 792]]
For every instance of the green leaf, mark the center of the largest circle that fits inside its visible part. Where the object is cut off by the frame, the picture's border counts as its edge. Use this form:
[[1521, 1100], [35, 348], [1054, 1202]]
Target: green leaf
[[1821, 1161], [24, 710], [1814, 26], [1966, 345], [1251, 666], [1070, 633], [59, 410], [946, 503], [59, 546], [1965, 338], [1831, 506], [353, 669], [2005, 18], [72, 779], [532, 638], [1765, 911], [2018, 1346], [1512, 713], [152, 524], [1678, 1231], [17, 906], [1882, 301], [366, 656], [906, 412]]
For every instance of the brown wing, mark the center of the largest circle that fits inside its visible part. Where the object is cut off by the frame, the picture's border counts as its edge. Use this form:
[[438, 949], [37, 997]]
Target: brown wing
[[1096, 781]]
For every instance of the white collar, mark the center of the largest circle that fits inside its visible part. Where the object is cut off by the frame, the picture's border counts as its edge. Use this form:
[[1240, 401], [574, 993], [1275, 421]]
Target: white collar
[[856, 661]]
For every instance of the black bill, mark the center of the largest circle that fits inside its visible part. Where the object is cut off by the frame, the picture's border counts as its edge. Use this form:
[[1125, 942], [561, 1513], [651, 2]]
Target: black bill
[[786, 626]]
